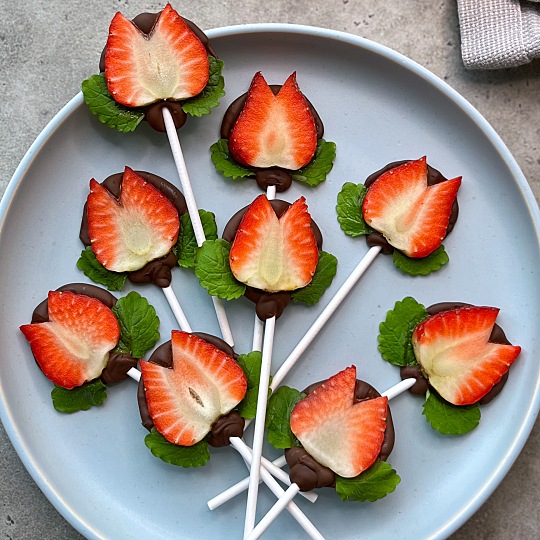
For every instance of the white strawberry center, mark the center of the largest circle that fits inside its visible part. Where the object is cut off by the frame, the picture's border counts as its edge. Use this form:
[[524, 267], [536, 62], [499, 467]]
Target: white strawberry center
[[137, 236]]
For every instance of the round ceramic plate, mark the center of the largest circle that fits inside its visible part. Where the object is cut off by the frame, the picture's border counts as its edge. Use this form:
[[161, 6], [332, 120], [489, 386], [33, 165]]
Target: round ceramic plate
[[377, 107]]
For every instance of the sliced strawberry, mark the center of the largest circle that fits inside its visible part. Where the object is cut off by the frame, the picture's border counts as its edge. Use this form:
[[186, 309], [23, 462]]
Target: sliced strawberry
[[203, 384], [127, 233], [340, 433], [168, 63], [274, 130], [271, 253], [453, 350], [411, 215], [73, 346]]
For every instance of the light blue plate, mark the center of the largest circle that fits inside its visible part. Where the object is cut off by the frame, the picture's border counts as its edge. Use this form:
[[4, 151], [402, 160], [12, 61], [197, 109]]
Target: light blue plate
[[378, 107]]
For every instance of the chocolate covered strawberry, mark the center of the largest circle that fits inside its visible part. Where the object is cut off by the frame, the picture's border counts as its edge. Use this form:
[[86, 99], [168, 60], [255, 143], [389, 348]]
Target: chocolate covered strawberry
[[185, 399]]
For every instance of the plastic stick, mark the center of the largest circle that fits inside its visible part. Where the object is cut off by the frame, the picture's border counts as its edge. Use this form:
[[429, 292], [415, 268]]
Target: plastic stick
[[176, 309]]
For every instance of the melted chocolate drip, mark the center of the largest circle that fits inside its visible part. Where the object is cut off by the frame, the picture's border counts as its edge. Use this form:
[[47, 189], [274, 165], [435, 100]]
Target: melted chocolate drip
[[227, 426], [157, 271], [267, 304], [434, 177]]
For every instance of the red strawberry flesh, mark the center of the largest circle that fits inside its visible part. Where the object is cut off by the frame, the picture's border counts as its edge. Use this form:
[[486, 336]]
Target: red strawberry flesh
[[168, 63], [73, 346], [274, 130], [339, 432], [454, 352], [411, 215], [274, 254], [203, 384]]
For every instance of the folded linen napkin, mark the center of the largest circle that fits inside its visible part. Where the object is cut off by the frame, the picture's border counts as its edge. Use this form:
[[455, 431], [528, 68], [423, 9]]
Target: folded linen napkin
[[499, 33]]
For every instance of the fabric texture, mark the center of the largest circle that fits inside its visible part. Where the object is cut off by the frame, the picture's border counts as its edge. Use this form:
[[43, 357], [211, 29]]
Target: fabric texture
[[499, 33]]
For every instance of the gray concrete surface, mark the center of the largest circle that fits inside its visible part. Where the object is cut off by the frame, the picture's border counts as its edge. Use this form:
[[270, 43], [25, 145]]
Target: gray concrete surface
[[48, 47]]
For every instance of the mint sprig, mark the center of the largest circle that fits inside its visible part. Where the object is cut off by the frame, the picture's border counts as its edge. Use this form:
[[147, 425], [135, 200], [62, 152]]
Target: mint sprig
[[372, 484], [138, 325], [322, 279], [214, 272], [224, 162], [181, 456], [349, 210], [278, 417], [251, 365], [421, 267], [81, 398], [450, 419], [395, 332], [186, 246], [109, 112], [204, 102], [318, 168], [93, 269]]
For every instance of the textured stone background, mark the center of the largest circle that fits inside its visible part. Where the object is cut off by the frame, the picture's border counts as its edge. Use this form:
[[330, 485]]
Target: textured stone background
[[48, 47]]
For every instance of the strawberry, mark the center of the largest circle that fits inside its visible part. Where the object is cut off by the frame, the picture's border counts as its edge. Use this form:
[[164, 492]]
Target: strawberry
[[73, 346], [203, 384], [168, 63], [126, 234], [411, 215], [455, 354], [274, 130], [340, 433], [274, 254]]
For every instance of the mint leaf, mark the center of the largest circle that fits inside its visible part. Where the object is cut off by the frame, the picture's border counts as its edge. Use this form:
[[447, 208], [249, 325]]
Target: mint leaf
[[395, 332], [373, 484], [278, 417], [138, 325], [99, 101], [81, 398], [224, 162], [421, 267], [450, 419], [186, 246], [182, 456], [349, 210], [94, 270], [324, 274], [251, 364], [214, 272], [316, 170], [204, 102]]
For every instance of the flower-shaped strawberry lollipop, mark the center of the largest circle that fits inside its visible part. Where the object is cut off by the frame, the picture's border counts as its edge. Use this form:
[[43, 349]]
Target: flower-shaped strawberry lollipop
[[458, 354]]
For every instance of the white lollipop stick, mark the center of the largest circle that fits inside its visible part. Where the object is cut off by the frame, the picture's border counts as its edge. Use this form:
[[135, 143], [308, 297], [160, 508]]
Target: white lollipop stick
[[176, 309], [193, 213], [258, 433]]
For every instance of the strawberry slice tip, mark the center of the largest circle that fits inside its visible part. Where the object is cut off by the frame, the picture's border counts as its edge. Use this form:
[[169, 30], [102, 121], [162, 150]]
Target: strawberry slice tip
[[274, 254], [336, 430], [203, 384], [73, 347], [128, 233], [168, 63], [411, 215], [455, 353], [274, 130]]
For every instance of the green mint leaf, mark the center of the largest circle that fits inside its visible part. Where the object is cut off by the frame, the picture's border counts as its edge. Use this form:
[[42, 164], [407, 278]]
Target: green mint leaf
[[224, 162], [94, 270], [99, 101], [186, 246], [251, 364], [373, 484], [450, 419], [182, 456], [138, 325], [324, 274], [316, 170], [214, 272], [81, 398], [278, 417], [421, 267], [395, 332], [349, 210], [204, 102]]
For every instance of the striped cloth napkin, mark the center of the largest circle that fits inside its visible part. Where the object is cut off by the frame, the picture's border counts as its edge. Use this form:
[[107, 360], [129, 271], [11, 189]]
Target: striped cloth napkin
[[499, 33]]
